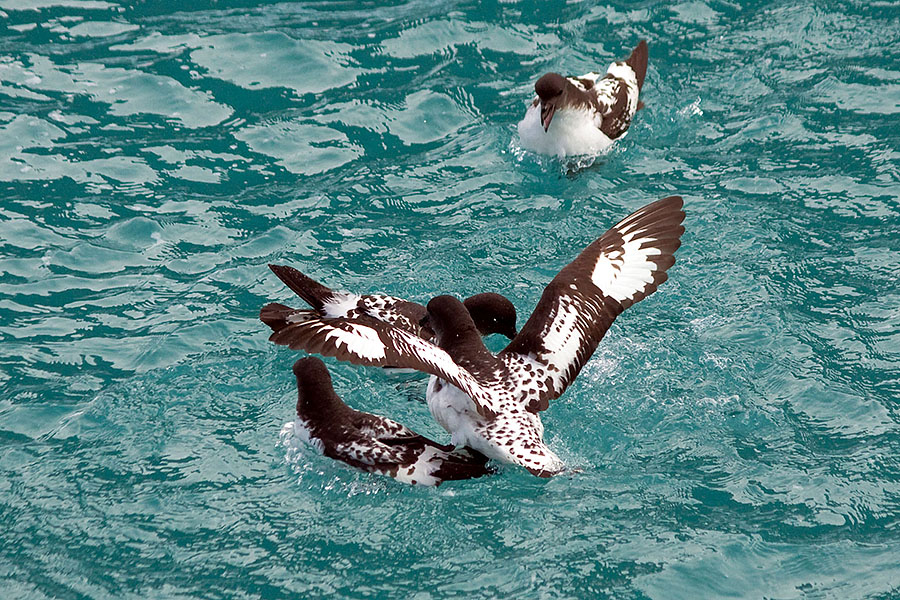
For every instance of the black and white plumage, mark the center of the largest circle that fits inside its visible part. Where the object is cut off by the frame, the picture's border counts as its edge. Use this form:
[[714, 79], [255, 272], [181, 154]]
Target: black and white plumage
[[584, 115], [492, 404], [491, 312], [370, 442]]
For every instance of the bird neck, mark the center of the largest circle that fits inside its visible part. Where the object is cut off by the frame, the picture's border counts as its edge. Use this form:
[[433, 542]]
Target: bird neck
[[313, 402], [463, 344]]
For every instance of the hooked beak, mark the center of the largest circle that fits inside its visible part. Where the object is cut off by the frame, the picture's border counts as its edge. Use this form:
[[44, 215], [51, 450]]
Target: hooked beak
[[547, 111]]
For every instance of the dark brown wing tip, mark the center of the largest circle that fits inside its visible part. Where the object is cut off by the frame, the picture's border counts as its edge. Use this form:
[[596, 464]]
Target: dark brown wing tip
[[453, 470], [274, 315], [667, 211], [278, 270], [544, 473], [673, 201], [313, 293], [638, 62]]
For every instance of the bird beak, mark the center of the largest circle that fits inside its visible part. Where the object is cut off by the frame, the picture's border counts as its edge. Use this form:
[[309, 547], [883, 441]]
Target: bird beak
[[511, 334], [547, 111]]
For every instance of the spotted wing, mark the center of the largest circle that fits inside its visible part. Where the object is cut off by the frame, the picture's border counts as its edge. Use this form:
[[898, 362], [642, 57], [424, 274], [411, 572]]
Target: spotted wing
[[347, 305], [415, 462], [370, 342], [397, 312], [623, 266]]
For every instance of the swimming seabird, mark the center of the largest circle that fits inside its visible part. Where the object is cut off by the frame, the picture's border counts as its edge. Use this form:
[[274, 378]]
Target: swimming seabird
[[370, 442], [584, 115]]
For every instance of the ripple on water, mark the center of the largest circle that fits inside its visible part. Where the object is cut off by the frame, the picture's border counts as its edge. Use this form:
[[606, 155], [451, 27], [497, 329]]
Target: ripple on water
[[736, 434]]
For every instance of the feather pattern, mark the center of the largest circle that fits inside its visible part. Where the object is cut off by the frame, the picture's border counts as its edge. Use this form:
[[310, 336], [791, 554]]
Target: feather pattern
[[623, 266], [371, 442], [373, 343], [586, 114], [492, 312], [491, 403]]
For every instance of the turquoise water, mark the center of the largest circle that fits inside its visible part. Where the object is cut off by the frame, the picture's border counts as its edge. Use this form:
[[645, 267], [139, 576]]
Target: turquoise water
[[736, 435]]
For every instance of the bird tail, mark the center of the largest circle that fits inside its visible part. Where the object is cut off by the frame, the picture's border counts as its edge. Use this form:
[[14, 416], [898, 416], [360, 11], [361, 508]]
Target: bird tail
[[313, 293], [638, 62]]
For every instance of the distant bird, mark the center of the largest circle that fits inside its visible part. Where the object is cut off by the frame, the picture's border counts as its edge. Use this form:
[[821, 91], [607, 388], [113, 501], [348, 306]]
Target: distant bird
[[491, 312], [491, 403], [584, 115], [370, 442]]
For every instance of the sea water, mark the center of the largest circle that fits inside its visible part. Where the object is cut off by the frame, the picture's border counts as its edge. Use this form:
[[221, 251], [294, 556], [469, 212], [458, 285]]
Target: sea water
[[735, 435]]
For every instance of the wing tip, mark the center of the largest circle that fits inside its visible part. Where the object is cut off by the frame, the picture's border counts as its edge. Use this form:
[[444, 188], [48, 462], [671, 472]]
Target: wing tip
[[456, 467], [313, 293], [274, 315], [638, 62], [544, 473]]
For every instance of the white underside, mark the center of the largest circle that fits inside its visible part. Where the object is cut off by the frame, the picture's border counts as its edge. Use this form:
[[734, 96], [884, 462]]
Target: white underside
[[421, 472], [300, 430], [455, 412], [571, 132]]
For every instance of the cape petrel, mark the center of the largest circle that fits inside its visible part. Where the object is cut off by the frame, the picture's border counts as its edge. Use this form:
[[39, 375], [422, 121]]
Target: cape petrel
[[584, 115], [370, 442]]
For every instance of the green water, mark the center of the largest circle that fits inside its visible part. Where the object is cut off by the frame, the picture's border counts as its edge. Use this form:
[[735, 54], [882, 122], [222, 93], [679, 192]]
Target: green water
[[735, 435]]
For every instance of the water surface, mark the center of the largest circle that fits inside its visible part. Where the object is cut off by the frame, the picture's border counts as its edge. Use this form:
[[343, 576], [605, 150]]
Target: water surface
[[735, 435]]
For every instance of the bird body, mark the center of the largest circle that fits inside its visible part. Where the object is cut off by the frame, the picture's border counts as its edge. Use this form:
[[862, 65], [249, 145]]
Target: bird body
[[370, 442], [513, 436], [584, 115]]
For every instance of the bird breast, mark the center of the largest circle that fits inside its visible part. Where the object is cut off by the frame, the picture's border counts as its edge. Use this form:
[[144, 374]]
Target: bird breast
[[453, 409]]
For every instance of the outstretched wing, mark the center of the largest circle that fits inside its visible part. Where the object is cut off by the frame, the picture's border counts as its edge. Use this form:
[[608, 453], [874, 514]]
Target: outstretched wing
[[397, 312], [370, 342], [347, 305], [623, 266], [314, 293], [278, 316], [382, 308]]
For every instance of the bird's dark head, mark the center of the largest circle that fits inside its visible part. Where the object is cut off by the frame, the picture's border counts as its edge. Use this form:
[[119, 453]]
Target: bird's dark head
[[492, 313], [310, 368], [550, 88]]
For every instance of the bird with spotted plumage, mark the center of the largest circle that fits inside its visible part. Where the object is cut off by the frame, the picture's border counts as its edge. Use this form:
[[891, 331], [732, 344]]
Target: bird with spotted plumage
[[370, 442], [584, 115], [490, 403]]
